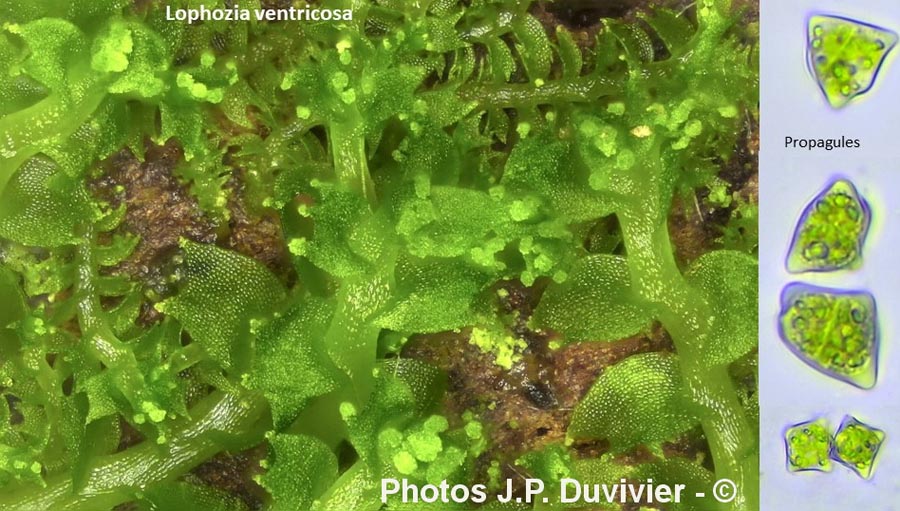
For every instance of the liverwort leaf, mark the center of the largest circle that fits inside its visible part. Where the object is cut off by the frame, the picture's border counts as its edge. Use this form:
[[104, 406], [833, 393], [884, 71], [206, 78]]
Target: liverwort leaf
[[675, 30], [185, 123], [12, 301], [301, 468], [433, 296], [145, 59], [290, 365], [637, 401], [595, 303], [41, 206], [331, 246], [539, 56], [450, 222], [392, 404], [569, 53], [54, 43], [223, 292], [729, 281], [545, 165], [426, 382]]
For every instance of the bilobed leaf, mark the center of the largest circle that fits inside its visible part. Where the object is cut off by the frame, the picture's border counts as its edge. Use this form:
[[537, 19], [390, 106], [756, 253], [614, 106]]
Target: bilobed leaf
[[503, 65], [550, 464], [595, 303], [99, 390], [542, 164], [392, 403], [54, 43], [17, 92], [336, 218], [301, 468], [729, 281], [222, 292], [426, 382], [145, 61], [290, 365], [674, 29], [185, 124], [636, 42], [41, 206], [637, 401], [450, 222], [433, 296]]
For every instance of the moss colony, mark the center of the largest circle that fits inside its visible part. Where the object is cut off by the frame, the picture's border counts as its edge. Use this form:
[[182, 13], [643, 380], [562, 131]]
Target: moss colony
[[263, 265]]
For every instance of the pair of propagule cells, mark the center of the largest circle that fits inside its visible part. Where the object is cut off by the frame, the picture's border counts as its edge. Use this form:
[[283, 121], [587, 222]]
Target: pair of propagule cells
[[835, 331]]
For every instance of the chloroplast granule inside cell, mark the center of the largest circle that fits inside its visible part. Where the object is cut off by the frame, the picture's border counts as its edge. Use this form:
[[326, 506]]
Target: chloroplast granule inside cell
[[846, 55], [856, 446], [808, 446], [833, 331], [831, 231]]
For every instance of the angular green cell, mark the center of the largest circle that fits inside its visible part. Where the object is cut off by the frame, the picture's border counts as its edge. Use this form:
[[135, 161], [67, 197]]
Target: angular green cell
[[808, 446], [856, 446], [833, 331], [831, 231], [846, 55]]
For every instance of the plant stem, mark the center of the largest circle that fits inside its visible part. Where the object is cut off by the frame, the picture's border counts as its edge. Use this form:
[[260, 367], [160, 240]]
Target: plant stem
[[686, 317], [518, 95], [222, 421], [348, 148]]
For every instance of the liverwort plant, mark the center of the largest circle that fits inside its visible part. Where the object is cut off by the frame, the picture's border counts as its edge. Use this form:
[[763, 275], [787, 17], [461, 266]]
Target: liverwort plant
[[331, 194]]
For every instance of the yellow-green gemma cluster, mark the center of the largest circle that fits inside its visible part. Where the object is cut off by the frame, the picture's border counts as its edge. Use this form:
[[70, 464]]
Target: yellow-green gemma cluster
[[808, 447], [831, 231], [845, 56], [833, 331]]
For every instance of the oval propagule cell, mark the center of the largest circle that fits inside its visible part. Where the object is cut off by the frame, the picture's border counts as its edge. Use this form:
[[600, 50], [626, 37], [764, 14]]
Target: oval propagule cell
[[845, 56], [831, 232], [833, 331]]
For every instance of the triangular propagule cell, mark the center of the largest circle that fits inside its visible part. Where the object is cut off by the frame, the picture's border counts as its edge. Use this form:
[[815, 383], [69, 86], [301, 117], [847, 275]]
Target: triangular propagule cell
[[833, 331], [846, 55], [831, 231]]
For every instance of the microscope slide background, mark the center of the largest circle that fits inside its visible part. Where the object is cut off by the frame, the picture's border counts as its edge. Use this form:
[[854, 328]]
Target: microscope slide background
[[791, 104]]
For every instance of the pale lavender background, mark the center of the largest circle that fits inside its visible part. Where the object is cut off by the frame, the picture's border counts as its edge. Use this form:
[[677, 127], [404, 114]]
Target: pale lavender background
[[790, 391]]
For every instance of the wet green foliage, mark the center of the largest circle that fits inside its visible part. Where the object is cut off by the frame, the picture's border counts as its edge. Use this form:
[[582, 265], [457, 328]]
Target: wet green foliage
[[416, 157]]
